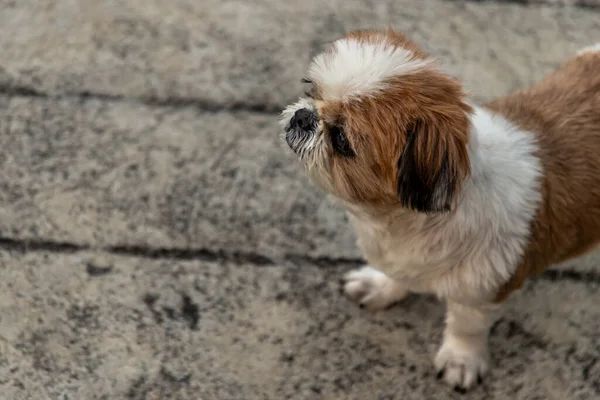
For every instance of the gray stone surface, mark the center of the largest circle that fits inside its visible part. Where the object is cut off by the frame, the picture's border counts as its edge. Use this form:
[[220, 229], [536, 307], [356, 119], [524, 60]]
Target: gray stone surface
[[158, 241], [99, 326], [253, 54], [105, 173]]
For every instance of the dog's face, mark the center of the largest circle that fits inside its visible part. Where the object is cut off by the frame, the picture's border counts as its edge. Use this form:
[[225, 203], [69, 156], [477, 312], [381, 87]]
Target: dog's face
[[381, 125]]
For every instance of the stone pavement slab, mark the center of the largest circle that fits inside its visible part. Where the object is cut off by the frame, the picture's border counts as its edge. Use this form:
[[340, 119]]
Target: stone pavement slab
[[88, 325], [103, 173], [118, 174], [237, 53]]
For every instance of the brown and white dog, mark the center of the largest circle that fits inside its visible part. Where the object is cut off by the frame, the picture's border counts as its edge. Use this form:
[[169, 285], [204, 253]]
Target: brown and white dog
[[447, 197]]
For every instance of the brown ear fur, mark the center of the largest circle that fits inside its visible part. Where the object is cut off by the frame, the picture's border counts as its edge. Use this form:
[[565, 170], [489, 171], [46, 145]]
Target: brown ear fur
[[434, 161]]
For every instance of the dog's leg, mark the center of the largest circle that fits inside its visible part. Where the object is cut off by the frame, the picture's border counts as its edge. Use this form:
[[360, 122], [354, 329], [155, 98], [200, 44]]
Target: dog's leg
[[372, 289], [463, 358]]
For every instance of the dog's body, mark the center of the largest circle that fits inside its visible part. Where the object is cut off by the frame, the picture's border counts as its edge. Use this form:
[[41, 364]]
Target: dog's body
[[563, 112], [448, 198]]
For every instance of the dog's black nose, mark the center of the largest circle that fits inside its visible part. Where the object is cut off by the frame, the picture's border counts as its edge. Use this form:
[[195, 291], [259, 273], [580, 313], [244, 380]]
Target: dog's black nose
[[303, 119]]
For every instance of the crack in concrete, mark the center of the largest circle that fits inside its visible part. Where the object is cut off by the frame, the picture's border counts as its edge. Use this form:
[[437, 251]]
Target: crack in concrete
[[12, 90], [236, 257]]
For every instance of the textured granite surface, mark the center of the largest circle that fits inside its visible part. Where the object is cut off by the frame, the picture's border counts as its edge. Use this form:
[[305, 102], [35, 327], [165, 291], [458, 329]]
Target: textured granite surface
[[238, 53], [158, 241], [118, 173], [99, 326]]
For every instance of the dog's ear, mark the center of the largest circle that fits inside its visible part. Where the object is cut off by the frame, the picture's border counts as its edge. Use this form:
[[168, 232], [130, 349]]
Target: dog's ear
[[433, 164]]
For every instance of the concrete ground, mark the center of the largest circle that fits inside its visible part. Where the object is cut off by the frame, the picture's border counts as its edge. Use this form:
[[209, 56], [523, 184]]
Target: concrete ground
[[157, 240]]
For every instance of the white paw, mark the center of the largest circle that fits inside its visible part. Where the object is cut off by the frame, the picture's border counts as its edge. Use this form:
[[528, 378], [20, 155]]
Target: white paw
[[372, 289], [463, 361]]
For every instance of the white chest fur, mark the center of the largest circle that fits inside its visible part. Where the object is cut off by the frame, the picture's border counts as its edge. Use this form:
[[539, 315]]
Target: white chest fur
[[468, 253]]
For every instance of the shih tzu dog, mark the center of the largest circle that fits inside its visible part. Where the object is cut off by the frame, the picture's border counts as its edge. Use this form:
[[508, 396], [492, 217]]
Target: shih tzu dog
[[447, 197]]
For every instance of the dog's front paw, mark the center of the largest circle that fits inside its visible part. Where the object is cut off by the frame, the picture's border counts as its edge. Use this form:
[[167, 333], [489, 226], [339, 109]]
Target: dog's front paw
[[463, 361], [372, 289]]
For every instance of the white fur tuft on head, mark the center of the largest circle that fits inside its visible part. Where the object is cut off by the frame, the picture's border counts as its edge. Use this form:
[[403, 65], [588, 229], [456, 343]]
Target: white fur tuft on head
[[359, 68], [595, 48]]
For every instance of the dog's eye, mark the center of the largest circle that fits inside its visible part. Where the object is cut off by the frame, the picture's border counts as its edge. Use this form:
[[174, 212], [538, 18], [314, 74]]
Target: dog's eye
[[309, 93], [340, 142]]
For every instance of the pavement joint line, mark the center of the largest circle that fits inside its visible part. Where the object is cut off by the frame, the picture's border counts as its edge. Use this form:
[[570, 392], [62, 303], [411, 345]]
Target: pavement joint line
[[172, 253], [237, 257], [170, 101]]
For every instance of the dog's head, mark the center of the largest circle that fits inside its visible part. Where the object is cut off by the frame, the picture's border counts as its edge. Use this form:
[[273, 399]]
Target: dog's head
[[381, 125]]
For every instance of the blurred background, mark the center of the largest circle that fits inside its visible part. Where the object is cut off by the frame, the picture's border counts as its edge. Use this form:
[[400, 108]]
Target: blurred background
[[157, 240]]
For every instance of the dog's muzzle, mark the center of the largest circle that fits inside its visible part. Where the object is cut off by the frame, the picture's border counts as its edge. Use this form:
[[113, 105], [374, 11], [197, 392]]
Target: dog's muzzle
[[300, 131]]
